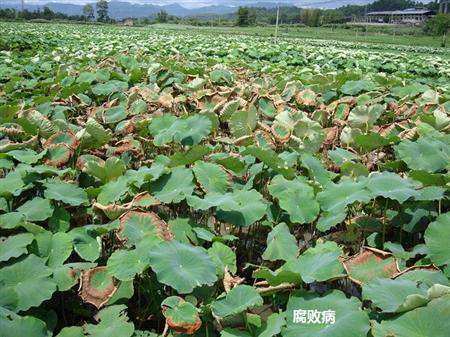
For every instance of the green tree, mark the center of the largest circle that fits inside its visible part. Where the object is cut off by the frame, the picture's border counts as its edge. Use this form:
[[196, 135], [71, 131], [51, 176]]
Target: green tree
[[102, 11], [88, 12], [439, 25], [243, 16], [162, 16]]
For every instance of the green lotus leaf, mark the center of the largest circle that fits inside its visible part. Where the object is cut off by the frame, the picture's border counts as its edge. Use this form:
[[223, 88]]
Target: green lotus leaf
[[425, 154], [335, 197], [109, 170], [65, 192], [108, 88], [182, 266], [193, 130], [189, 131], [425, 276], [115, 114], [211, 177], [273, 326], [349, 319], [395, 295], [113, 322], [36, 209], [125, 264], [239, 299], [113, 191], [355, 87], [223, 256], [243, 122], [316, 170], [284, 274], [12, 220], [55, 247], [319, 263], [29, 281], [71, 331], [163, 129], [182, 230], [328, 220], [272, 160], [14, 245], [13, 325], [436, 240], [281, 244], [310, 133], [340, 156], [26, 156], [365, 116], [11, 185], [228, 332], [296, 197], [86, 243], [194, 154], [241, 208], [431, 320], [390, 185], [173, 187], [94, 135]]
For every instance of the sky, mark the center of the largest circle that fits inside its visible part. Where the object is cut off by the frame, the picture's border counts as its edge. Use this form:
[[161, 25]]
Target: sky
[[186, 3]]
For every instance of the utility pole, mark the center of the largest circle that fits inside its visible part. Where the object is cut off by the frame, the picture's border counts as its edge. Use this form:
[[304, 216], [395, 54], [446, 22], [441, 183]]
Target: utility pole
[[23, 5], [276, 23]]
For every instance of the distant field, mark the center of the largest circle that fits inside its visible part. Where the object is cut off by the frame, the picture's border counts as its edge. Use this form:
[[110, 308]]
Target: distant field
[[411, 36]]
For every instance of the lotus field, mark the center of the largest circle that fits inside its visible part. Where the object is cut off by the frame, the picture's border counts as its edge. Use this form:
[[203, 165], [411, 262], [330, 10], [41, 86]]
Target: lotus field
[[157, 183]]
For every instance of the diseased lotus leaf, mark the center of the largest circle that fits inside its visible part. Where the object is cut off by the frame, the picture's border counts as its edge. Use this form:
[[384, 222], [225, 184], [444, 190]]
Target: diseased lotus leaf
[[239, 299], [349, 319], [97, 286], [136, 226], [181, 316], [296, 197], [320, 263], [182, 266], [370, 264]]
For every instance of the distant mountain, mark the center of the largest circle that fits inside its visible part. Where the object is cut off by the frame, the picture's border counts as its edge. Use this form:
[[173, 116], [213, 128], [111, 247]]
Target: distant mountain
[[120, 10]]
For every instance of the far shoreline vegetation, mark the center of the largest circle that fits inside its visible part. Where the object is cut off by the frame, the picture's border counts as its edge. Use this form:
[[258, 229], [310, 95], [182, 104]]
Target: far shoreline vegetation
[[293, 22]]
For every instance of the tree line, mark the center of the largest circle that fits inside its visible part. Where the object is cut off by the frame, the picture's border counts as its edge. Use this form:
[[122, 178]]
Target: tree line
[[47, 14]]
